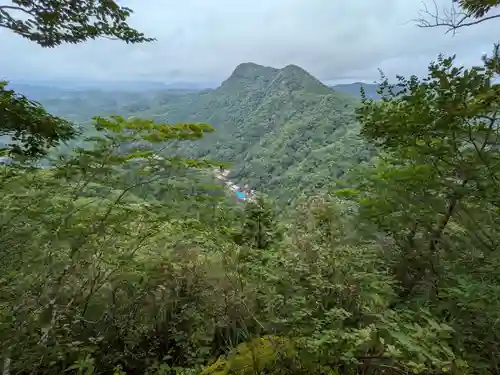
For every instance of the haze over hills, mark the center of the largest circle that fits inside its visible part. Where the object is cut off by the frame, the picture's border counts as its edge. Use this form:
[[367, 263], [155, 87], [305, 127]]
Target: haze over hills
[[49, 88], [27, 86]]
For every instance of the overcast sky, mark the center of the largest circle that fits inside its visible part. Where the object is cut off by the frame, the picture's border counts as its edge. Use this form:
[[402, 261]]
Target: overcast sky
[[204, 40]]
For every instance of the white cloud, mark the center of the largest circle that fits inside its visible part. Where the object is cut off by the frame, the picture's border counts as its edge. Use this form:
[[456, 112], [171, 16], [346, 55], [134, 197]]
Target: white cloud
[[204, 40]]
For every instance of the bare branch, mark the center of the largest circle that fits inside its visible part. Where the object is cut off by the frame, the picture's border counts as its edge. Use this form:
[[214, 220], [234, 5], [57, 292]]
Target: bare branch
[[452, 18], [11, 7]]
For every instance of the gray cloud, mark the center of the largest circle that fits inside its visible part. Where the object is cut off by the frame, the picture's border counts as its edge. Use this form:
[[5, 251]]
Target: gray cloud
[[204, 40]]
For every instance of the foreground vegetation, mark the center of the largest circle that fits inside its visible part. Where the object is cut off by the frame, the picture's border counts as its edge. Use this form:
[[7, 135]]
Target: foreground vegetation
[[115, 261]]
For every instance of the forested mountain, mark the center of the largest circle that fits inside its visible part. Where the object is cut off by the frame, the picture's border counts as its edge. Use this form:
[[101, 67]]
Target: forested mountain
[[275, 126]]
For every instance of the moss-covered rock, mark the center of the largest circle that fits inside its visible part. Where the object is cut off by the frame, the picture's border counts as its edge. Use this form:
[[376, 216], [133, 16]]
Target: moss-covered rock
[[263, 355]]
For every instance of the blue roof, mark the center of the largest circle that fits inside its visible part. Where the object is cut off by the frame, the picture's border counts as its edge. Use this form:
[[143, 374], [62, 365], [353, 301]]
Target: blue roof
[[240, 195]]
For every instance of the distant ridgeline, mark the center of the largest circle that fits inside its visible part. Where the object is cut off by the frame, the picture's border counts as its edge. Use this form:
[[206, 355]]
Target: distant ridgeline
[[284, 132]]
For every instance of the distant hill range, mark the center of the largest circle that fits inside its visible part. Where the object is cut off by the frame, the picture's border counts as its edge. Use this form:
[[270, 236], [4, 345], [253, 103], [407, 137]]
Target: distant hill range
[[51, 88], [285, 132], [43, 89]]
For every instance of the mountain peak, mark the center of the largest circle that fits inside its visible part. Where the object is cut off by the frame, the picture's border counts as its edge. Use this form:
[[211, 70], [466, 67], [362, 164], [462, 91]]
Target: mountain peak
[[291, 68], [296, 78], [250, 70], [291, 77]]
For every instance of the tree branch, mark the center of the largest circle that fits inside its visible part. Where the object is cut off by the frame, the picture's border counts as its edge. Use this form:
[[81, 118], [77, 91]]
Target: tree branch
[[11, 7], [453, 18]]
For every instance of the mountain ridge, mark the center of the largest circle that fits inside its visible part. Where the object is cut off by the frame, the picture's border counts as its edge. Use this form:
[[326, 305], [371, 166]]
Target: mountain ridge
[[290, 75]]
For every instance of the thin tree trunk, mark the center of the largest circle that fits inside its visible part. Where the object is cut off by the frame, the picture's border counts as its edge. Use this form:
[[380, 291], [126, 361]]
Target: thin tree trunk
[[437, 232]]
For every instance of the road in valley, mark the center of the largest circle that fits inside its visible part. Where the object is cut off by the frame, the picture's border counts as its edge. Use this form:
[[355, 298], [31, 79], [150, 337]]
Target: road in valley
[[241, 193]]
